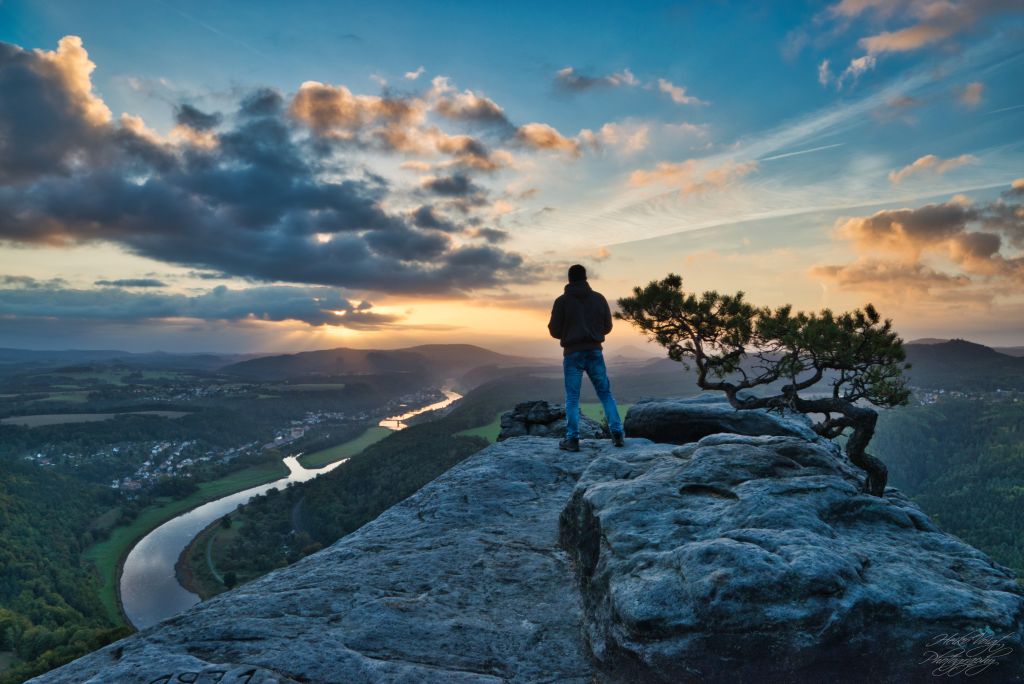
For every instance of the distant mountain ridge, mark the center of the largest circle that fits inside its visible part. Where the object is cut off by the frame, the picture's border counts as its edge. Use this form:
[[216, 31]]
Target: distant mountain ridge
[[440, 360], [961, 365]]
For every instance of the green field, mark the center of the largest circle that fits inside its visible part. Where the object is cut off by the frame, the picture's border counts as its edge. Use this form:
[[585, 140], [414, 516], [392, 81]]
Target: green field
[[348, 449], [490, 430], [108, 554], [312, 386], [72, 397], [44, 419], [594, 410]]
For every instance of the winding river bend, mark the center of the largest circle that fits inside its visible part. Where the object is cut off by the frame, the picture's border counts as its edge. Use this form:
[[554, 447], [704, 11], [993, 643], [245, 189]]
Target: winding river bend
[[149, 589]]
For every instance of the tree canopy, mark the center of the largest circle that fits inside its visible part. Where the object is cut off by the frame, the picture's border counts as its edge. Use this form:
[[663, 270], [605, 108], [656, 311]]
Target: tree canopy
[[772, 358]]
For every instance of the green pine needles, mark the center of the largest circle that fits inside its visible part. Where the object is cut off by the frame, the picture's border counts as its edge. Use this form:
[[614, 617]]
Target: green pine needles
[[772, 358]]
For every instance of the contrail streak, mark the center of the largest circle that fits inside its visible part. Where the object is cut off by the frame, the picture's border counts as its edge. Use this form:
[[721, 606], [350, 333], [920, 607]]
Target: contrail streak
[[793, 154]]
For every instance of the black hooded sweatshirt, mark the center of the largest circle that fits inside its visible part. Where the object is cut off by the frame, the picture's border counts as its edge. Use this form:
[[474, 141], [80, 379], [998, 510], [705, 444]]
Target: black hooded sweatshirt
[[580, 318]]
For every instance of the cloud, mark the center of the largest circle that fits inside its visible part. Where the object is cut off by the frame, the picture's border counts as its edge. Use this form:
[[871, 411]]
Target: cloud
[[315, 306], [824, 73], [413, 75], [492, 235], [427, 216], [677, 93], [466, 106], [689, 176], [542, 136], [970, 95], [131, 282], [927, 23], [895, 244], [336, 111], [569, 79], [187, 115], [457, 185], [931, 163], [886, 275], [271, 195], [628, 138], [50, 116]]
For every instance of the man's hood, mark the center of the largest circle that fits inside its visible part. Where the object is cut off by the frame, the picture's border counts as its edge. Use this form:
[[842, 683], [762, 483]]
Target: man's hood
[[579, 289]]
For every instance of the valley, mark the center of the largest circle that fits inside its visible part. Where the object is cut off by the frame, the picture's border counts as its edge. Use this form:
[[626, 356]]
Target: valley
[[173, 441]]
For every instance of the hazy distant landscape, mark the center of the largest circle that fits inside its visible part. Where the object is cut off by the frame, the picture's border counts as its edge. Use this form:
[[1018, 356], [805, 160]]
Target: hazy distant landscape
[[163, 436]]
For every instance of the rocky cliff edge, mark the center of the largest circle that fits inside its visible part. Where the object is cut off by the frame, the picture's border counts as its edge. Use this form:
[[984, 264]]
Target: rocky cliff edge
[[737, 558]]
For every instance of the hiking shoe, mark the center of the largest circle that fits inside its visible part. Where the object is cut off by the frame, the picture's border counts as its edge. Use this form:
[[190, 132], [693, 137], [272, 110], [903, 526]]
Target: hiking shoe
[[569, 444], [618, 439]]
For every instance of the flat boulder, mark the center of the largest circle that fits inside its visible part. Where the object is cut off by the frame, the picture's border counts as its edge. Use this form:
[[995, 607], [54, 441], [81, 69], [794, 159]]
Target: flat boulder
[[685, 420]]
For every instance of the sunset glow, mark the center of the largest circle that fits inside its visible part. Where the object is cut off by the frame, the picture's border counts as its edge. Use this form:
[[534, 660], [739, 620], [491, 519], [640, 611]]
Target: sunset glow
[[187, 177]]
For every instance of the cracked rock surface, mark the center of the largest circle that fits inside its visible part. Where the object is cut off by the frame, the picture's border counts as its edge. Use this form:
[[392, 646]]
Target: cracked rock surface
[[462, 582], [759, 559]]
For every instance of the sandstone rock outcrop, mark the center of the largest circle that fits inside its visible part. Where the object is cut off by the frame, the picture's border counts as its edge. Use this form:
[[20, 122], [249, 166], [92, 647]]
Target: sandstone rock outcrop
[[759, 559], [688, 419], [541, 419], [736, 558]]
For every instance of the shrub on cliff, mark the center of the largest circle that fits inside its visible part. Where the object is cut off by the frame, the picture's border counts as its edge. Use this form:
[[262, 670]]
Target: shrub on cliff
[[738, 348]]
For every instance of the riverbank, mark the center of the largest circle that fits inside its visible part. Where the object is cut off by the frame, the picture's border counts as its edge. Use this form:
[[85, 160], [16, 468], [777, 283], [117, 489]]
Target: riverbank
[[108, 556], [318, 459], [114, 555], [192, 567]]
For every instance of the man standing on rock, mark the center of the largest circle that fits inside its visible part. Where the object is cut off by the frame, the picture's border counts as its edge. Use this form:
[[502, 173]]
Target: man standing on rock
[[580, 318]]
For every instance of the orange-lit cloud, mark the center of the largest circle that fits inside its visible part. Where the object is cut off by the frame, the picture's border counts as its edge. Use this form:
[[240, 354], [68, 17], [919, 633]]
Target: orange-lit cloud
[[678, 93], [931, 163], [335, 110], [970, 96], [71, 63], [543, 136], [689, 177], [907, 248]]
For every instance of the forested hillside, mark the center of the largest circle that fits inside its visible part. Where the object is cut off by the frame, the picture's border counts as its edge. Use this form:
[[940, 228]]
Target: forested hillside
[[963, 462], [50, 610]]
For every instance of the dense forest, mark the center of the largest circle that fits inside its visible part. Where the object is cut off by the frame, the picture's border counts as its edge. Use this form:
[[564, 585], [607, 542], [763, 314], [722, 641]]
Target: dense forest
[[963, 463], [49, 607]]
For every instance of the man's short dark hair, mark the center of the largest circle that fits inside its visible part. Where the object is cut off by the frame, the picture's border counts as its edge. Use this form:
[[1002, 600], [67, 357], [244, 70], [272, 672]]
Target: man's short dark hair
[[577, 273]]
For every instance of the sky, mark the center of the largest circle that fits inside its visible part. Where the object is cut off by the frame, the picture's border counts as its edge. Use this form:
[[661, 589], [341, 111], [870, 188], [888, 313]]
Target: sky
[[258, 176]]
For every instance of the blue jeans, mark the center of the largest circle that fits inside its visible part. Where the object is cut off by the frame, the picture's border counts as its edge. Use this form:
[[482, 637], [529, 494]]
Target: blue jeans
[[573, 366]]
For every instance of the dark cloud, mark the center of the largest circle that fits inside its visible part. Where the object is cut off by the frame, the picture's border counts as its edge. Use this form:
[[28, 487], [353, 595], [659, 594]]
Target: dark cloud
[[187, 115], [312, 305], [428, 217], [262, 102], [132, 282], [409, 245], [568, 79], [30, 282], [45, 121], [456, 185], [266, 201], [492, 235]]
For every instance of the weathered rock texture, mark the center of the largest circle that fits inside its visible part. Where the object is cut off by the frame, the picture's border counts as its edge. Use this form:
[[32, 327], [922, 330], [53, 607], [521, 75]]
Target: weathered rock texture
[[740, 559], [759, 559], [541, 419], [684, 420]]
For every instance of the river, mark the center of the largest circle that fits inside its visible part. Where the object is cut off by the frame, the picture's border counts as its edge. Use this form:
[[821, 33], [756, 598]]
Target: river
[[149, 589]]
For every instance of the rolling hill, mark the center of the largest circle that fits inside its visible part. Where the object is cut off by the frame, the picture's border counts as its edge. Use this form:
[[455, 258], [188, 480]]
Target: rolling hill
[[441, 361]]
